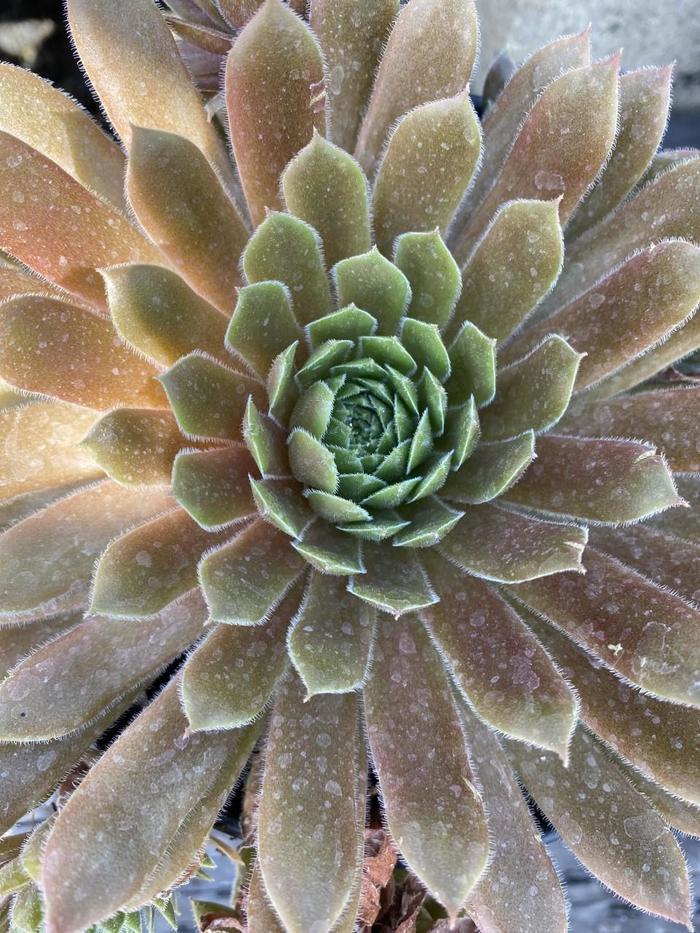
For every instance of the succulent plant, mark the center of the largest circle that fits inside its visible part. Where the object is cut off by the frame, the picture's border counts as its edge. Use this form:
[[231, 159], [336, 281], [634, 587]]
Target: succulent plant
[[334, 437]]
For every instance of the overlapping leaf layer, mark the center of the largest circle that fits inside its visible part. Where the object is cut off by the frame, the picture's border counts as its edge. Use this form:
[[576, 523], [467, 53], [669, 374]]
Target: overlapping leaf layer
[[330, 425]]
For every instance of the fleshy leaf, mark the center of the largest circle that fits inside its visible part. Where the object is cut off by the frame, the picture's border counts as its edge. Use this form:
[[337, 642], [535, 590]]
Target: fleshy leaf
[[645, 96], [67, 537], [462, 431], [349, 323], [135, 446], [262, 325], [19, 641], [560, 148], [208, 399], [683, 522], [374, 284], [245, 579], [609, 825], [320, 804], [330, 641], [498, 664], [330, 551], [313, 409], [432, 273], [149, 567], [275, 99], [473, 361], [627, 313], [281, 503], [139, 74], [265, 441], [334, 508], [507, 547], [287, 250], [660, 739], [155, 311], [394, 581], [40, 448], [667, 417], [423, 750], [429, 56], [430, 520], [282, 390], [65, 352], [647, 634], [426, 169], [66, 686], [311, 462], [423, 342], [532, 393], [325, 186], [352, 38], [513, 266], [50, 122], [213, 485], [227, 681], [491, 470], [600, 480], [186, 211], [520, 889], [59, 228], [155, 774]]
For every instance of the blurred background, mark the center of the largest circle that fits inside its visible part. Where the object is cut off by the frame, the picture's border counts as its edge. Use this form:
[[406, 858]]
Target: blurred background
[[651, 32]]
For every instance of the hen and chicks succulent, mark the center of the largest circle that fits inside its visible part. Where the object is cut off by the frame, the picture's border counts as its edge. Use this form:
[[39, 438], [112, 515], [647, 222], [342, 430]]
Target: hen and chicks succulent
[[364, 411]]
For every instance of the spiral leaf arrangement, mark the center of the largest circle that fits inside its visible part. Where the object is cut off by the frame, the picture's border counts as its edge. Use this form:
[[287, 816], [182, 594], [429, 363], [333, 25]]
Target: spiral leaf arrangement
[[363, 440]]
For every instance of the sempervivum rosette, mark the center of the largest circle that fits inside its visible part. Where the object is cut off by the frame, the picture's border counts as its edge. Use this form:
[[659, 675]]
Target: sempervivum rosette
[[345, 429]]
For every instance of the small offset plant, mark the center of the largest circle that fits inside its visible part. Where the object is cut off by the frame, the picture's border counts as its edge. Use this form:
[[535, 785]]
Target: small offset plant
[[353, 423]]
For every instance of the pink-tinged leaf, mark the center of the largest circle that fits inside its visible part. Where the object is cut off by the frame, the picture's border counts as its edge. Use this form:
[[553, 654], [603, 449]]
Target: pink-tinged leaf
[[244, 580], [213, 485], [491, 470], [49, 557], [135, 446], [500, 667], [426, 169], [60, 688], [149, 567], [560, 148], [32, 771], [667, 417], [627, 313], [602, 480], [532, 393], [352, 38], [40, 448], [115, 829], [664, 558], [647, 634], [275, 97], [660, 739], [315, 799], [645, 97], [507, 547], [58, 228], [324, 186], [61, 351], [503, 121], [519, 889], [609, 825], [15, 281], [157, 312], [259, 912], [679, 344], [429, 56], [666, 208], [138, 73], [15, 510], [423, 748], [394, 581], [228, 680], [50, 122], [184, 208], [18, 641], [513, 266], [330, 641]]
